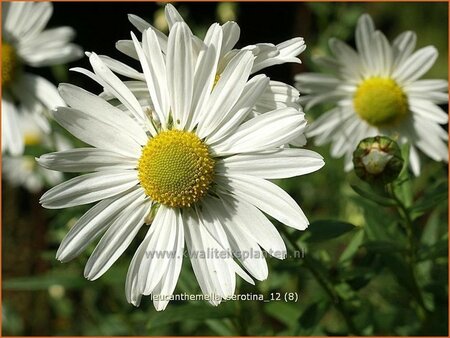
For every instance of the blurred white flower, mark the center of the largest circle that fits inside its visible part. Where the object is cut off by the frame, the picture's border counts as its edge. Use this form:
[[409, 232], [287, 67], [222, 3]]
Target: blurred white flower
[[26, 43], [376, 91], [192, 168], [22, 170]]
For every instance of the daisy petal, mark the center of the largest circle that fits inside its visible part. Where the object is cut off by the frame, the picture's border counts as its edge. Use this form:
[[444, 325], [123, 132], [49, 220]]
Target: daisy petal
[[180, 71], [97, 132], [93, 223], [266, 196], [416, 65], [89, 188], [12, 138], [264, 132], [273, 164], [253, 90], [226, 92], [85, 160], [117, 238], [205, 72], [98, 108]]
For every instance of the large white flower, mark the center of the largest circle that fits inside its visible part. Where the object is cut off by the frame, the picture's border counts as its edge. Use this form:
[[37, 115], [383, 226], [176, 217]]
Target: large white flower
[[26, 43], [190, 167], [277, 94], [377, 90]]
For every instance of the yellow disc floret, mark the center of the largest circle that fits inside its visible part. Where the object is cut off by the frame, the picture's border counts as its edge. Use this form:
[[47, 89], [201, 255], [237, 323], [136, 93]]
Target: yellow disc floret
[[380, 102], [10, 64], [175, 168]]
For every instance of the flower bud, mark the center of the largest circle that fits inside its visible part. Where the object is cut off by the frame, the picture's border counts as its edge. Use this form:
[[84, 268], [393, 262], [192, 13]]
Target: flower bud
[[377, 160]]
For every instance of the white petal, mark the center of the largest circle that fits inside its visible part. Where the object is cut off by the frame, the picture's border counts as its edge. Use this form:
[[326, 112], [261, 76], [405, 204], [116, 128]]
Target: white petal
[[273, 164], [414, 160], [266, 196], [205, 72], [428, 110], [159, 250], [287, 52], [85, 160], [403, 46], [172, 15], [121, 68], [226, 92], [364, 41], [127, 47], [12, 138], [264, 132], [114, 85], [435, 91], [416, 65], [180, 73], [213, 273], [93, 223], [44, 90], [244, 247], [99, 109], [117, 238], [89, 188], [349, 60], [253, 90], [382, 57], [231, 33], [256, 225], [96, 132], [169, 280], [277, 95], [154, 67]]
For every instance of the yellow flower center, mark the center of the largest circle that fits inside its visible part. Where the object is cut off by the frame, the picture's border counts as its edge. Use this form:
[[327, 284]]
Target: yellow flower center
[[10, 63], [175, 168], [32, 139], [380, 102]]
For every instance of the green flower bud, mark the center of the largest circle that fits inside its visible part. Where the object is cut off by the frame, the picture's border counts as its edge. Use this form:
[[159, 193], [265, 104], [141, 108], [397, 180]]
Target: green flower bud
[[377, 160]]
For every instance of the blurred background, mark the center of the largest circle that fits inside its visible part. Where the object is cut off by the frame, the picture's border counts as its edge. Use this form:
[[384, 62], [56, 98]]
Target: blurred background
[[345, 282]]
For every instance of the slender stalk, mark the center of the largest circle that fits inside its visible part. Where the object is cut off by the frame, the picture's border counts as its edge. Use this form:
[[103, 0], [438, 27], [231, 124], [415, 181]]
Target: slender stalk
[[411, 253], [327, 287]]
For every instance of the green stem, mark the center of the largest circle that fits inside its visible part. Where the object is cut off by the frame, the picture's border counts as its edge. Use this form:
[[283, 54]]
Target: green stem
[[411, 253], [326, 285]]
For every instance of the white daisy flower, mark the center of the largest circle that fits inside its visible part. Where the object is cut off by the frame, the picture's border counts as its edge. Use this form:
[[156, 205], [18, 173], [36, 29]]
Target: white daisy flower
[[377, 91], [22, 170], [26, 43], [277, 94], [191, 168]]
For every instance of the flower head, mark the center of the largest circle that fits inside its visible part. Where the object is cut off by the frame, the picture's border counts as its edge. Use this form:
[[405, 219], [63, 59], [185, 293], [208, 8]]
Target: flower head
[[378, 160], [377, 91], [193, 163], [25, 42]]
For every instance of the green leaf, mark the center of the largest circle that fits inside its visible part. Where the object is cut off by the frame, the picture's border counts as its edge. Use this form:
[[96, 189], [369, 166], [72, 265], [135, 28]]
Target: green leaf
[[286, 313], [383, 247], [377, 198], [313, 314], [352, 247], [187, 312], [327, 229], [430, 200], [440, 249]]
